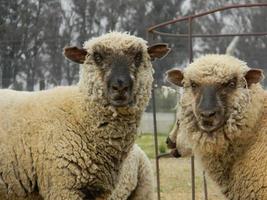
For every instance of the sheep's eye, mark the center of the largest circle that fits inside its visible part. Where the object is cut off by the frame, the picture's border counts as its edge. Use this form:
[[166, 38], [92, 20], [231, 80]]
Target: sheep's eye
[[138, 59], [194, 85], [231, 84], [98, 57]]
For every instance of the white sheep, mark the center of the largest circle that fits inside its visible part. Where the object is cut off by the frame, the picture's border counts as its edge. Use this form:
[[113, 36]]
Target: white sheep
[[136, 180], [69, 142], [223, 117], [176, 141]]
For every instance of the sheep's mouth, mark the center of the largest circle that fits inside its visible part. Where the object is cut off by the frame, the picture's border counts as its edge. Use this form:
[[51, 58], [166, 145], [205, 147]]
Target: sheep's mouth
[[121, 101], [210, 125]]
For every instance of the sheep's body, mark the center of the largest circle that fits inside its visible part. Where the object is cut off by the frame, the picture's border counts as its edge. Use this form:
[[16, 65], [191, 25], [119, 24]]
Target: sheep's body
[[41, 152], [176, 140], [235, 155], [68, 142], [136, 180]]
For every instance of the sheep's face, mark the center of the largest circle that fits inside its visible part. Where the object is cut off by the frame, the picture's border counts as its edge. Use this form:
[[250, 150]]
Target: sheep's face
[[117, 68], [210, 102], [214, 89], [118, 73]]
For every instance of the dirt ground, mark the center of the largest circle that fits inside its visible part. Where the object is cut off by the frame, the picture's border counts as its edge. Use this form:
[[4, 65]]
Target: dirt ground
[[175, 181]]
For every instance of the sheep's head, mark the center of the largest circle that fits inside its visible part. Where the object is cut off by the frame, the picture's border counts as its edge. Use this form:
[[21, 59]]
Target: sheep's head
[[216, 91], [116, 67]]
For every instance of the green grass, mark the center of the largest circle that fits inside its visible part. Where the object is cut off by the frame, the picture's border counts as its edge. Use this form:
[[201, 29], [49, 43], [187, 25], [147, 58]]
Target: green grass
[[175, 174], [146, 142]]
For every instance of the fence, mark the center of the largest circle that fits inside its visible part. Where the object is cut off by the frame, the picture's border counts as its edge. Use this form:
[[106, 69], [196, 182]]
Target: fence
[[151, 32]]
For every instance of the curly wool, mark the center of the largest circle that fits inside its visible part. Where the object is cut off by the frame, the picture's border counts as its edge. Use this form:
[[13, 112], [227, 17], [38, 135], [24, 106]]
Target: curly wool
[[235, 154], [67, 141], [179, 138], [136, 180], [90, 82]]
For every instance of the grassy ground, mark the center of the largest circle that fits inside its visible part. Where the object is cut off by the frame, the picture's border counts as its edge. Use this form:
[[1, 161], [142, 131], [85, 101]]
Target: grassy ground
[[146, 142], [175, 174]]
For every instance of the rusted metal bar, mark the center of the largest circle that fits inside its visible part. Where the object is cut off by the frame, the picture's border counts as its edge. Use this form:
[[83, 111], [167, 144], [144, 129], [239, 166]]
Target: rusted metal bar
[[205, 186], [190, 52], [156, 139], [165, 155], [189, 36], [42, 84], [210, 35], [150, 29], [150, 40]]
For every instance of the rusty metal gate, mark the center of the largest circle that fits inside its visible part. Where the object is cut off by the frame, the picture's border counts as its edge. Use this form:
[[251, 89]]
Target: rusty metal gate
[[153, 31]]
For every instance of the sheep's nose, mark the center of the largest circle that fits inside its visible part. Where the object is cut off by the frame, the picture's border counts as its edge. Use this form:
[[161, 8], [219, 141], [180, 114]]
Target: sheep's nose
[[208, 113], [120, 86]]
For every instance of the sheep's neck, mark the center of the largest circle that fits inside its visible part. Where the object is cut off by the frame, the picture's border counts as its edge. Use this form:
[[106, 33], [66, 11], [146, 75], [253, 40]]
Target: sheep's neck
[[110, 136], [221, 165]]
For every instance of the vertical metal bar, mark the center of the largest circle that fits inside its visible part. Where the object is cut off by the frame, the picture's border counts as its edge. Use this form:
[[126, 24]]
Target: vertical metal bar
[[205, 186], [193, 177], [190, 51], [156, 139], [42, 84], [155, 128], [190, 46]]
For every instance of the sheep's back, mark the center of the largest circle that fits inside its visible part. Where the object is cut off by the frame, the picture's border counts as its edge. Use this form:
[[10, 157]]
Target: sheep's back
[[23, 116]]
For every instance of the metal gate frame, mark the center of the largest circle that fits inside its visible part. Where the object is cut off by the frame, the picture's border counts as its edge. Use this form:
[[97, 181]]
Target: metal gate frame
[[151, 32]]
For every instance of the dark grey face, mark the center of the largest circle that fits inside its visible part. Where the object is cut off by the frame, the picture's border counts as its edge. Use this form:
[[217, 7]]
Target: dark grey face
[[120, 82], [119, 73], [118, 68], [210, 104]]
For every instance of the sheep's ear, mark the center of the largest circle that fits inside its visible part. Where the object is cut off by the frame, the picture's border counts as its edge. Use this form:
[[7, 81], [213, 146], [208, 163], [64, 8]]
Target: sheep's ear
[[75, 54], [175, 76], [158, 50], [254, 76]]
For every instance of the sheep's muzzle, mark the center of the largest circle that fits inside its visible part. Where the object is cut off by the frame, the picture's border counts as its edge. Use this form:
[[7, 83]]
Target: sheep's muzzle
[[209, 109], [120, 83]]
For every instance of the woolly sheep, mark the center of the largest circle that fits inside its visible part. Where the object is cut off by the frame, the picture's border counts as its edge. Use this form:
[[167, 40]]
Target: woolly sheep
[[176, 141], [136, 181], [69, 142], [223, 115]]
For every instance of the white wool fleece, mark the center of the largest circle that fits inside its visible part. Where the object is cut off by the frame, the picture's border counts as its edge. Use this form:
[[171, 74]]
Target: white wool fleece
[[67, 141], [235, 156]]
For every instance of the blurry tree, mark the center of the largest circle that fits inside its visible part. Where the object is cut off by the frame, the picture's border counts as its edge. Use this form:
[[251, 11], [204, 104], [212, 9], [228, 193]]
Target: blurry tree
[[250, 49], [34, 33]]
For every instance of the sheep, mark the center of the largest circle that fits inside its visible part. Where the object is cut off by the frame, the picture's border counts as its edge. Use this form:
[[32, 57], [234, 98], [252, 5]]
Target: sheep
[[136, 180], [69, 142], [223, 117], [176, 141]]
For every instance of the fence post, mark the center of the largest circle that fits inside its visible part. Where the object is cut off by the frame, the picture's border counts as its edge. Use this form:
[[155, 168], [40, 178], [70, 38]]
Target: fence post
[[149, 39], [41, 84]]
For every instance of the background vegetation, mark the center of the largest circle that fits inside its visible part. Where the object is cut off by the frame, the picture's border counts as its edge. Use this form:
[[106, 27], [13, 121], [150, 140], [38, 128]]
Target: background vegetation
[[34, 32]]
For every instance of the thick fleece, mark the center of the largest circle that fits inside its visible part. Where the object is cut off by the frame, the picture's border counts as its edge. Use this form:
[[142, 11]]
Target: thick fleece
[[136, 180], [177, 141], [235, 155], [68, 142]]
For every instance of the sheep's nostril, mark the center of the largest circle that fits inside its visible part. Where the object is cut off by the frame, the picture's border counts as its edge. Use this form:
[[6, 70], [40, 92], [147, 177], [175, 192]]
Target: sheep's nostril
[[208, 114], [122, 89], [125, 89], [115, 88]]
